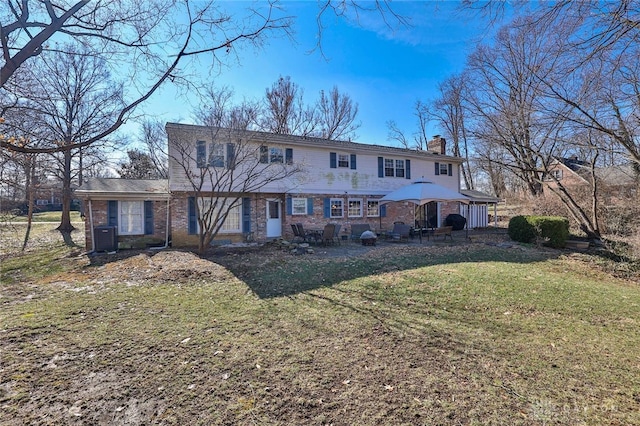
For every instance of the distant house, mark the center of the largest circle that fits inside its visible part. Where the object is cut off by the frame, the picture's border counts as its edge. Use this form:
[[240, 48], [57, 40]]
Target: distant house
[[334, 181], [615, 182]]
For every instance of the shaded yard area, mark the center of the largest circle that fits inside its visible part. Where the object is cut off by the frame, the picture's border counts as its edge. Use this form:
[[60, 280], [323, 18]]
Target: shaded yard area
[[462, 333]]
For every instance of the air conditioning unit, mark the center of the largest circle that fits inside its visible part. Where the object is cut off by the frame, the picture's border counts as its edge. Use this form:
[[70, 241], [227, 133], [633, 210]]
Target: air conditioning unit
[[106, 238]]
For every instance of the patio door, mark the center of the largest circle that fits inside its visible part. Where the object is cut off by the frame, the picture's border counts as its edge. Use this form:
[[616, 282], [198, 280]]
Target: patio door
[[433, 218], [274, 218]]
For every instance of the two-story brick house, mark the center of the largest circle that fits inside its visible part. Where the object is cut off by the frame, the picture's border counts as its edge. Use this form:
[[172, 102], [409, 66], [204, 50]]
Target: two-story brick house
[[334, 181], [273, 181]]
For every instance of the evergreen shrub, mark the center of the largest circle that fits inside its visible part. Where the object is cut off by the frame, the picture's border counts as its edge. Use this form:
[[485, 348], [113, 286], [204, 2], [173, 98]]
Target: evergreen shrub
[[554, 230]]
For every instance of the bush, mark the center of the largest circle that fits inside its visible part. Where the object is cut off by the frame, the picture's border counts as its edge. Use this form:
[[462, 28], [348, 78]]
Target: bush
[[554, 230], [521, 230]]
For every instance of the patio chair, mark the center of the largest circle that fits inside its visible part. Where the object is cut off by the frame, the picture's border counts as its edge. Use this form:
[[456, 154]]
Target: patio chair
[[328, 234], [336, 233], [296, 233], [306, 235], [400, 232]]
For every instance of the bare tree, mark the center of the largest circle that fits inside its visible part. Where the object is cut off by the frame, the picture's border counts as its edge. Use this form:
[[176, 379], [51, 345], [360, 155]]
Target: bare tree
[[231, 168], [450, 112], [144, 41], [506, 99], [285, 112], [420, 137], [154, 139], [69, 99], [336, 115], [218, 110]]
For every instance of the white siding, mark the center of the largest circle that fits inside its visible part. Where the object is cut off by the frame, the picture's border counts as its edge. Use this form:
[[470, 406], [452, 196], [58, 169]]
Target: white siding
[[317, 177]]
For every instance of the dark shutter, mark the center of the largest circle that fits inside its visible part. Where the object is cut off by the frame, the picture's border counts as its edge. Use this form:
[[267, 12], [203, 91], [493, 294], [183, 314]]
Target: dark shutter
[[309, 205], [264, 154], [408, 169], [246, 215], [148, 217], [112, 213], [288, 156], [231, 156], [352, 160], [380, 167], [191, 214], [383, 210], [450, 169], [437, 169], [327, 207], [289, 203], [333, 160], [201, 154]]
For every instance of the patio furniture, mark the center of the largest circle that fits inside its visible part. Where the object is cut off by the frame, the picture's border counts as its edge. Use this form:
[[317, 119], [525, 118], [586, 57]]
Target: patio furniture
[[358, 229], [307, 235], [297, 234], [336, 233], [328, 234], [400, 232], [445, 231]]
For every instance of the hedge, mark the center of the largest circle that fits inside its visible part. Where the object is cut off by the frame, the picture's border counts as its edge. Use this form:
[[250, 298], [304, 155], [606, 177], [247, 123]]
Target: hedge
[[553, 229]]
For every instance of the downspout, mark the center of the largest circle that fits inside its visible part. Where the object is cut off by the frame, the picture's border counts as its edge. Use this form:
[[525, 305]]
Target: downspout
[[166, 231], [93, 237]]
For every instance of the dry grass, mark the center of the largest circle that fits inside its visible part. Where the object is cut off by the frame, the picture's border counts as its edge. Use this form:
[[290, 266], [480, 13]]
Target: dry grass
[[462, 333]]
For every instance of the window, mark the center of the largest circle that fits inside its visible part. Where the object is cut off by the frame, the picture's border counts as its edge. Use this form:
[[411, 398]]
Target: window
[[399, 168], [336, 207], [42, 202], [355, 207], [444, 169], [216, 155], [131, 218], [373, 208], [233, 221], [388, 168], [299, 206], [276, 156], [343, 160], [557, 174]]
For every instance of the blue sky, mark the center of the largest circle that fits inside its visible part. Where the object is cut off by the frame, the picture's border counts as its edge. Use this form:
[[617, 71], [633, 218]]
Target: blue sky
[[384, 70]]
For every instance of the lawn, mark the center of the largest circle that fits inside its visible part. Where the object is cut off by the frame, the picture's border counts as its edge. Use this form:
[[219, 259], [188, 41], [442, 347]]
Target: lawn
[[443, 334], [53, 216]]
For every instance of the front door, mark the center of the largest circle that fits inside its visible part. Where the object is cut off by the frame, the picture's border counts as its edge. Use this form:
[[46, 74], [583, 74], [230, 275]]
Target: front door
[[274, 218]]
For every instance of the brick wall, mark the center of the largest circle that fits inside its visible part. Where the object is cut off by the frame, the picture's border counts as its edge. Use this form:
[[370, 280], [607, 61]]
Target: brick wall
[[99, 213]]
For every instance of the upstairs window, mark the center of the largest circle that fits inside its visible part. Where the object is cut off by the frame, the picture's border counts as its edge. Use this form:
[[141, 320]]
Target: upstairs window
[[276, 155], [445, 169], [216, 155], [389, 170], [399, 168], [343, 160]]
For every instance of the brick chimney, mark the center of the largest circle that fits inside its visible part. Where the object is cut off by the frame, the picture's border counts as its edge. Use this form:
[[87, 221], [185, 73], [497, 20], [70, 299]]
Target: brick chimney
[[437, 145]]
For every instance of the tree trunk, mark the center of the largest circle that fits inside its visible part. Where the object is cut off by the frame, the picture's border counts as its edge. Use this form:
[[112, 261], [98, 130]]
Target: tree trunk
[[65, 227], [30, 175]]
